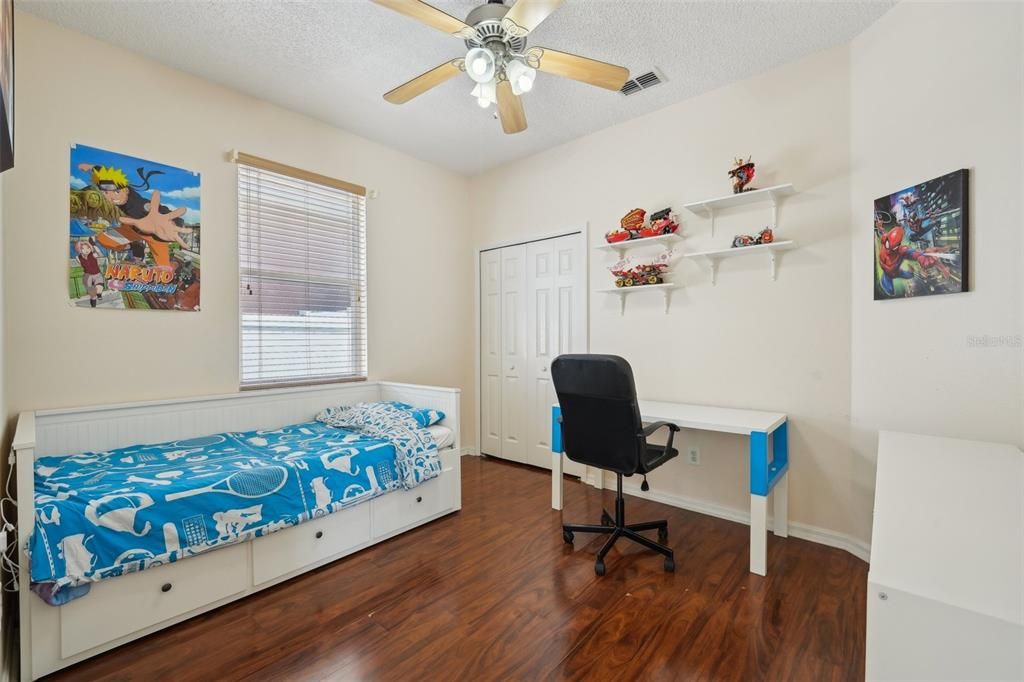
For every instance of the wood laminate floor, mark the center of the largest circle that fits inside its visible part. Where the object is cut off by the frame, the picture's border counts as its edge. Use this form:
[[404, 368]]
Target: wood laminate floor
[[492, 593]]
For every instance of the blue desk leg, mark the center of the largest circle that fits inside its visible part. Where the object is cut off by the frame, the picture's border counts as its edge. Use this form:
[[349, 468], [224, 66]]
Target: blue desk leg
[[768, 474], [556, 458], [779, 482]]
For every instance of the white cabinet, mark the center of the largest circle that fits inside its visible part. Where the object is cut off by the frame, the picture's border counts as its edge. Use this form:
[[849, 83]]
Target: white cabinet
[[532, 309], [946, 583]]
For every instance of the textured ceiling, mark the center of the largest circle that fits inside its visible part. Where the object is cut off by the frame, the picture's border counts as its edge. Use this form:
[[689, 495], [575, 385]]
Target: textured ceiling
[[334, 59]]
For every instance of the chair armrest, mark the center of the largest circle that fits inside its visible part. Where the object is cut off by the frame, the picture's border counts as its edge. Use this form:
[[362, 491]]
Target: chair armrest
[[672, 429], [651, 428]]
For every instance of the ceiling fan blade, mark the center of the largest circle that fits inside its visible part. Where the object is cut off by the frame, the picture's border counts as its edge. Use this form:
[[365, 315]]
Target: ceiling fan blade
[[525, 15], [431, 16], [583, 69], [420, 84], [510, 109]]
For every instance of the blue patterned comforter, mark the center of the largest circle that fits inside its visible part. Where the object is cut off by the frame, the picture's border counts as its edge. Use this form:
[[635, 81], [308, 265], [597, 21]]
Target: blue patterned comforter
[[100, 515]]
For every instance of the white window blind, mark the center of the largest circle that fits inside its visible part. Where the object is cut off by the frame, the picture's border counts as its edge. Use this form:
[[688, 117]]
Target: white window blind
[[302, 256]]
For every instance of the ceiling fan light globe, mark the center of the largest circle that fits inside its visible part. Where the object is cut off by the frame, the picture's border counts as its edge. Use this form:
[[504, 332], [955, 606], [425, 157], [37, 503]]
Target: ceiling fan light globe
[[485, 94], [520, 76], [480, 64]]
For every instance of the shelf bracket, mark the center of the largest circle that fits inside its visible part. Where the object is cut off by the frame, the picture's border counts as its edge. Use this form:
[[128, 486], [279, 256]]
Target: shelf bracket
[[714, 270], [711, 214], [668, 299], [622, 305], [773, 261], [776, 200]]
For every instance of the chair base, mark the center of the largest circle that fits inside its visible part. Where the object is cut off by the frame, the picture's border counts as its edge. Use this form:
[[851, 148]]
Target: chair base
[[617, 528]]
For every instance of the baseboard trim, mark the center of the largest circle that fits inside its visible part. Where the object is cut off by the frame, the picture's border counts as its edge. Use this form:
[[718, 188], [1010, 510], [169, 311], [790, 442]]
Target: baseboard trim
[[822, 536], [469, 451]]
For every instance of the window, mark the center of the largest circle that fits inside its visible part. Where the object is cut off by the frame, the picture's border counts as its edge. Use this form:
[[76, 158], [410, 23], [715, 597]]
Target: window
[[302, 263]]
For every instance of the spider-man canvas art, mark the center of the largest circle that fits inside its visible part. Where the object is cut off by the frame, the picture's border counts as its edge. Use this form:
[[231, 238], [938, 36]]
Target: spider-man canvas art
[[921, 239]]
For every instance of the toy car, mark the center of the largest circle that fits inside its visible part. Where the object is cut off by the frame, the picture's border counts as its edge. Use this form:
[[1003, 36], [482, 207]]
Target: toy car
[[617, 235], [651, 273], [659, 227], [765, 236], [623, 278]]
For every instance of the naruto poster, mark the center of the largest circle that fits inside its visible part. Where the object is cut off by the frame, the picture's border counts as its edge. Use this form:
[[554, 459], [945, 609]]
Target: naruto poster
[[134, 235]]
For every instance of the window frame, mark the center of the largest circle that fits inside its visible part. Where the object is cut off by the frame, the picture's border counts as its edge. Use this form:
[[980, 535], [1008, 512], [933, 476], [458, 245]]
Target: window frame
[[258, 163]]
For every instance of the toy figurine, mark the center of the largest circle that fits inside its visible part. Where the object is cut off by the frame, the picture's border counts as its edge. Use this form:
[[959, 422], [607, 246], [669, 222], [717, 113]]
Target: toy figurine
[[765, 236], [742, 175]]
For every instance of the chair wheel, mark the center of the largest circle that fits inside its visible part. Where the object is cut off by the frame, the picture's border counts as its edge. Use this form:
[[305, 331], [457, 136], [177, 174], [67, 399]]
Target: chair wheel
[[663, 535], [567, 536], [670, 565], [599, 568]]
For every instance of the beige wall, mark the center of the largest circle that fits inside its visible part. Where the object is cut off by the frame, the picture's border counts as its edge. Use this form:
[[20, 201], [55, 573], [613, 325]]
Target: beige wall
[[931, 87], [920, 110], [61, 356], [747, 342]]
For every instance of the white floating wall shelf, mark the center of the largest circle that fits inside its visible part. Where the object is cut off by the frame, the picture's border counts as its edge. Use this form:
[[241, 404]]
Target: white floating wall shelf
[[709, 208], [622, 292], [665, 241], [713, 257]]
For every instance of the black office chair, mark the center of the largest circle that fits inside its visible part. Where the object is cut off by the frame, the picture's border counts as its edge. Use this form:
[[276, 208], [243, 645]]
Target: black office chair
[[601, 427]]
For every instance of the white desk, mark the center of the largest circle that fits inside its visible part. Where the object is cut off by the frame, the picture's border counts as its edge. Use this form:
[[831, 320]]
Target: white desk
[[769, 468]]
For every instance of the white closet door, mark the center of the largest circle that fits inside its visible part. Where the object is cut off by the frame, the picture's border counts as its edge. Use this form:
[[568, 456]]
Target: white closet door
[[490, 353], [513, 353], [540, 338], [556, 324]]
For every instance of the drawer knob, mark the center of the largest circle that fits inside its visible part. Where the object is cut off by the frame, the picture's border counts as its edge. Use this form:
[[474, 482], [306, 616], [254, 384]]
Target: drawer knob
[[166, 587], [419, 499], [319, 534]]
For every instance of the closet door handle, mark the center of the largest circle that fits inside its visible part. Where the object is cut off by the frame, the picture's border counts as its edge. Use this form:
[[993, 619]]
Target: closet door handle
[[166, 587], [319, 534]]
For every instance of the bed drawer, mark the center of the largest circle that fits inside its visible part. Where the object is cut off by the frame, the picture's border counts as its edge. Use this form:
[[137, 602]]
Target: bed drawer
[[288, 550], [404, 508], [126, 604]]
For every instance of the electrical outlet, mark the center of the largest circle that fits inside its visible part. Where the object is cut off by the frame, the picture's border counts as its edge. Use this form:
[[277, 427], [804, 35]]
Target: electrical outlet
[[694, 454]]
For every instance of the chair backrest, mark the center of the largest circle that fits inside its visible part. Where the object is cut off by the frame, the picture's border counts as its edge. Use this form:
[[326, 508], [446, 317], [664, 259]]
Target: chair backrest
[[601, 424]]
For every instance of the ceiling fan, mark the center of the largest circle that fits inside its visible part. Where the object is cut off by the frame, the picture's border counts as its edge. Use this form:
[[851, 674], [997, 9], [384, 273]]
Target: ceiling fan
[[498, 61]]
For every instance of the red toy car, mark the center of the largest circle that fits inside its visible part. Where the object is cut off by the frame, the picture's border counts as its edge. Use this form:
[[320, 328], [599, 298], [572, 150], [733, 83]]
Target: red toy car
[[616, 236], [660, 227]]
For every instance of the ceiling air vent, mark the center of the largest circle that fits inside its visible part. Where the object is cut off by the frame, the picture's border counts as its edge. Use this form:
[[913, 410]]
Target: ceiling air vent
[[643, 81]]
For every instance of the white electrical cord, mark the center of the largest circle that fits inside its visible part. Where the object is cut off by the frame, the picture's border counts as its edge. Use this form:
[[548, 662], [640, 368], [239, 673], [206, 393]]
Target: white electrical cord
[[9, 556]]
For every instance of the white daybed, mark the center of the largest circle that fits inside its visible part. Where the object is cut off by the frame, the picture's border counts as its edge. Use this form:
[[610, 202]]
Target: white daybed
[[121, 609]]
